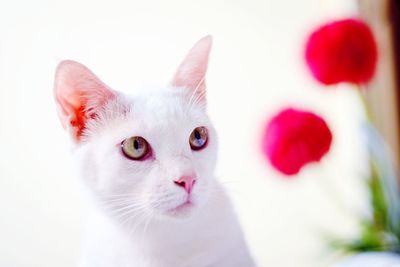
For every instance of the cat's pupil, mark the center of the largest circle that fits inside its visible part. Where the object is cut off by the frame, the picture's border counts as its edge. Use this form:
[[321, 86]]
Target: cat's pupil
[[197, 134], [136, 144]]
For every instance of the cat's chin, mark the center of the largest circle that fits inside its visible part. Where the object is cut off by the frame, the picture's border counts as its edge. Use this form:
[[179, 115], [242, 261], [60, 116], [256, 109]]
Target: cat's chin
[[182, 211]]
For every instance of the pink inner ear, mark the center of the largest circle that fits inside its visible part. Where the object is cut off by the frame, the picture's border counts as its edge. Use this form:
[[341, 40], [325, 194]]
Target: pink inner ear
[[79, 93], [191, 73]]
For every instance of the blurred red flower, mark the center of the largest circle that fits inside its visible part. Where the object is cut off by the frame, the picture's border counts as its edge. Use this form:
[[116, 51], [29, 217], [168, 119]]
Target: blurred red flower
[[342, 51], [294, 138]]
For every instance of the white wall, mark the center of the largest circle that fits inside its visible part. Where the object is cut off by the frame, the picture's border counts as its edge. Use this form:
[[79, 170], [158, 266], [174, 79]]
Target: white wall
[[256, 68]]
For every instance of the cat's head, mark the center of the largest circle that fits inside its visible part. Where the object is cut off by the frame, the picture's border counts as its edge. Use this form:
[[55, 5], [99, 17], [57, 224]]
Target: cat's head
[[152, 154]]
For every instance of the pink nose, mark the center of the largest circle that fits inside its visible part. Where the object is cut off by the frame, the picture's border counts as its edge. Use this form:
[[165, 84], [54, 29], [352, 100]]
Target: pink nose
[[186, 182]]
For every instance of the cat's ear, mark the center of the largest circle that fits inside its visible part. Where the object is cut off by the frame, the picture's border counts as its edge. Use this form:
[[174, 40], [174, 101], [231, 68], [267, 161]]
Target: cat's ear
[[191, 73], [79, 94]]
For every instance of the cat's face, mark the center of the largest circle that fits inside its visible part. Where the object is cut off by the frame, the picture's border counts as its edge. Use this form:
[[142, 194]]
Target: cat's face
[[163, 127], [151, 155]]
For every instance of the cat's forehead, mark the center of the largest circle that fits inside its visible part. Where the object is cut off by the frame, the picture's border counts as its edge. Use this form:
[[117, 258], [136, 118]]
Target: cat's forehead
[[166, 112], [166, 101], [165, 104]]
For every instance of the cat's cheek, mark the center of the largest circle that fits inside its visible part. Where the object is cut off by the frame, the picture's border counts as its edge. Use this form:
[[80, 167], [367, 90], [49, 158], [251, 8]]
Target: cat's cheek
[[113, 172], [206, 159], [91, 172]]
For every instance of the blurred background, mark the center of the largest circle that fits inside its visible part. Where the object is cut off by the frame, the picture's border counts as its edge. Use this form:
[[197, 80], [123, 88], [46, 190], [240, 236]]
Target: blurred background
[[256, 68]]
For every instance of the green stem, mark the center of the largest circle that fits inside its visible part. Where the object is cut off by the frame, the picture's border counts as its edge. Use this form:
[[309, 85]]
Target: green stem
[[362, 94]]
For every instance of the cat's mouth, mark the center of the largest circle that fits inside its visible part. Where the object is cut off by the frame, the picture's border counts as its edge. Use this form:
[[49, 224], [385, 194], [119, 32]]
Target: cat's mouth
[[182, 208]]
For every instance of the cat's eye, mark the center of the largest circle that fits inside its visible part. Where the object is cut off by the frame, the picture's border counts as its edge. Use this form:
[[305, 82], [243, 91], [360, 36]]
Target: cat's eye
[[198, 138], [135, 148]]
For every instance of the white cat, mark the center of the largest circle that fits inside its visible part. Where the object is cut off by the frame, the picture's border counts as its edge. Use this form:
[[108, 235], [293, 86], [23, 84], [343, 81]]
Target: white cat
[[148, 163]]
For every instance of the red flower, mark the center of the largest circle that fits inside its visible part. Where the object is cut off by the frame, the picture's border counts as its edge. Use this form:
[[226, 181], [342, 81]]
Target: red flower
[[294, 138], [342, 51]]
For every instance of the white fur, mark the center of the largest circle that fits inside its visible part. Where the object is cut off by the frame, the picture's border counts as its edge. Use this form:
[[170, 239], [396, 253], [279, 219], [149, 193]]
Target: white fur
[[130, 223]]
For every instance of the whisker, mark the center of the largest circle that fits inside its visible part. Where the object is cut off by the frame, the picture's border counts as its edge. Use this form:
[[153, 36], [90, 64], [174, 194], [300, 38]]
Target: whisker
[[139, 220], [129, 195]]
